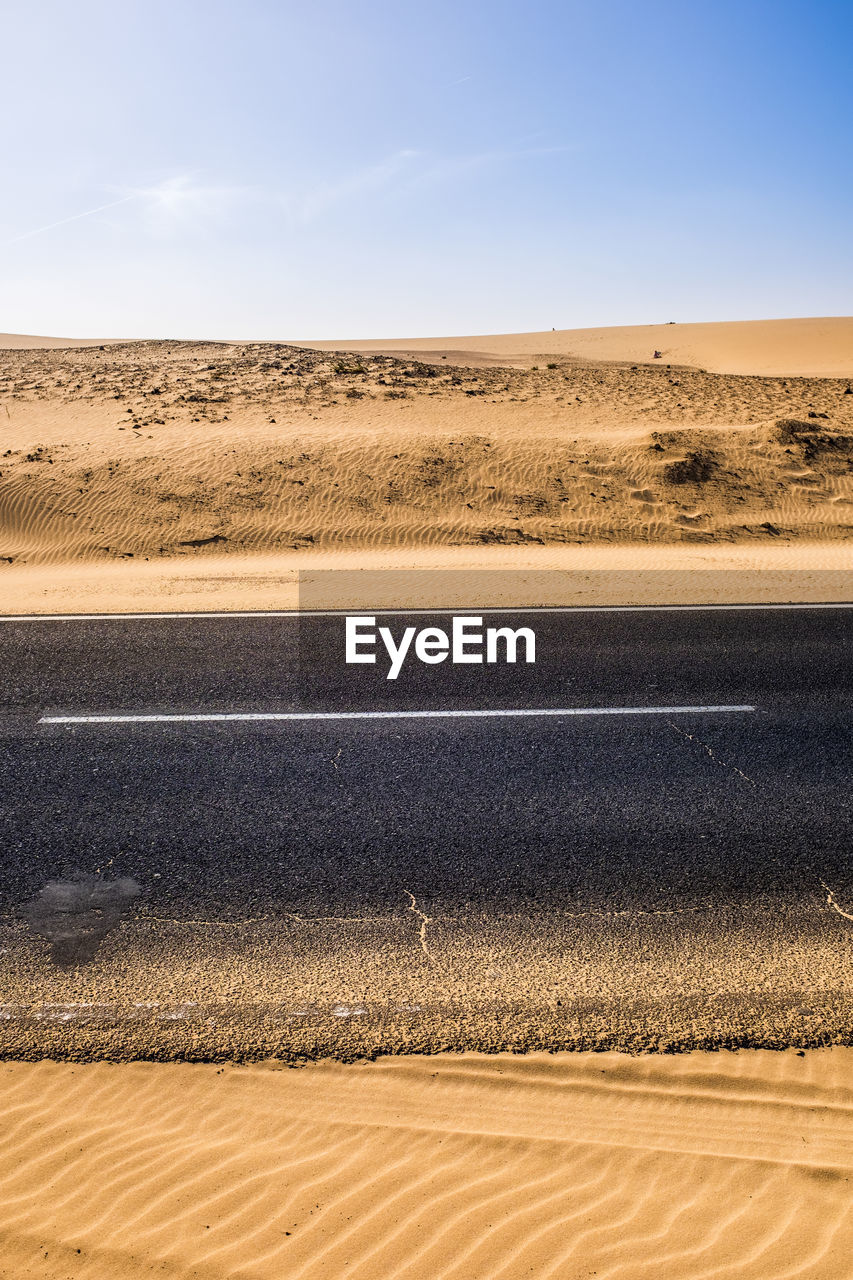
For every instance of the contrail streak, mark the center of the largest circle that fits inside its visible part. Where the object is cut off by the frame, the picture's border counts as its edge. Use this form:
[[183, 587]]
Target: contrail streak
[[75, 217]]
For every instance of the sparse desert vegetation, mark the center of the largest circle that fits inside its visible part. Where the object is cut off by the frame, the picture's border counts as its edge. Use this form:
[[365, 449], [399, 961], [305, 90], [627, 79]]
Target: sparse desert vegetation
[[163, 449]]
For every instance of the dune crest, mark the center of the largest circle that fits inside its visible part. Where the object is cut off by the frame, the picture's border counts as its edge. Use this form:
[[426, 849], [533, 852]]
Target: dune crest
[[811, 347]]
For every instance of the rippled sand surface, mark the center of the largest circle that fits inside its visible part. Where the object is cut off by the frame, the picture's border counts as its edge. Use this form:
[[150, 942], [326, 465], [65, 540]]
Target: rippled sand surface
[[160, 451], [469, 1166]]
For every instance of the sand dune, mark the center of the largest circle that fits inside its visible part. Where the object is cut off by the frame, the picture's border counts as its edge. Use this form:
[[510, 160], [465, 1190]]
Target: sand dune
[[36, 342], [163, 451], [813, 347], [463, 1167]]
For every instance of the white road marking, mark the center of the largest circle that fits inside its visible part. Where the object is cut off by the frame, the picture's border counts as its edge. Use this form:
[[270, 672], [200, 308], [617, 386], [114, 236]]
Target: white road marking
[[296, 614], [205, 717]]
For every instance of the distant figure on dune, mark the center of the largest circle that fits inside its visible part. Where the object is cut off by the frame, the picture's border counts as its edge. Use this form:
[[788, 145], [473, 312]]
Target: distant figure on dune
[[658, 355]]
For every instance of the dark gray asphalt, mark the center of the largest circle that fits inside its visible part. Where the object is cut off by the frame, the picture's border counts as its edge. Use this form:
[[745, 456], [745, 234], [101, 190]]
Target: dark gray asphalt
[[477, 814]]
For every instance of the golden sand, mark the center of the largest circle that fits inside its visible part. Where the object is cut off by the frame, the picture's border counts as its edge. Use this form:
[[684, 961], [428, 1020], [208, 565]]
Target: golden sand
[[169, 454], [441, 1168], [811, 347]]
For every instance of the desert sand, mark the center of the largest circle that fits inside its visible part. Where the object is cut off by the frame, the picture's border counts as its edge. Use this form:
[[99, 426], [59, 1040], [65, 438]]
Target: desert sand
[[31, 341], [173, 452], [813, 347], [435, 577], [178, 453], [472, 1167], [818, 347]]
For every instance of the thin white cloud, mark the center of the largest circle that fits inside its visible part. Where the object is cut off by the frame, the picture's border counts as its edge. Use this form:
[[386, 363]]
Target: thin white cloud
[[180, 196], [445, 169], [182, 202], [167, 205], [309, 205], [75, 217], [403, 171]]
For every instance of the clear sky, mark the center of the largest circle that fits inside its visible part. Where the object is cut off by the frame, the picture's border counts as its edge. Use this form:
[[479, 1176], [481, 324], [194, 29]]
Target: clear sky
[[191, 168]]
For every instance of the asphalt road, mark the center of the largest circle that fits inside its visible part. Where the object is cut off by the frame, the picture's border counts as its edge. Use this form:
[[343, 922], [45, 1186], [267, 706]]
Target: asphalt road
[[481, 814]]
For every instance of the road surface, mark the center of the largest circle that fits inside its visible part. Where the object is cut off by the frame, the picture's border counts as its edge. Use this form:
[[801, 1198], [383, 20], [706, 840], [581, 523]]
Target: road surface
[[678, 786]]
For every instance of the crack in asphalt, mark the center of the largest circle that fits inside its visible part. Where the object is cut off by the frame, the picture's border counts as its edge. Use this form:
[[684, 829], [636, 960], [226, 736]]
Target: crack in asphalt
[[425, 921], [830, 902], [724, 764]]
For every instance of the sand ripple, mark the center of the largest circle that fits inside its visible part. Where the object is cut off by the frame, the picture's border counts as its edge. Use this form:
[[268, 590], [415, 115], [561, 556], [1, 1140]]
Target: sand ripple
[[454, 1167], [153, 451]]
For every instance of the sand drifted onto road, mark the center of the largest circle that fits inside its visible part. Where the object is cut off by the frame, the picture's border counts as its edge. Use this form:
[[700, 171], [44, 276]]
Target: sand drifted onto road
[[465, 1167], [416, 978]]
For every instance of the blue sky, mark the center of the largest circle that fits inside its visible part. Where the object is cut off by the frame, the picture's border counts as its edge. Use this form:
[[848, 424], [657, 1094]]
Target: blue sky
[[278, 170]]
